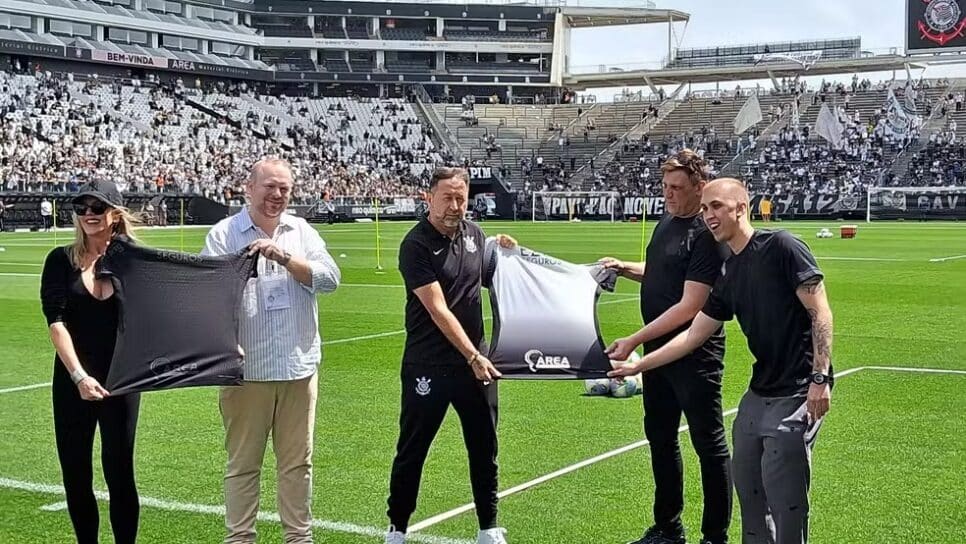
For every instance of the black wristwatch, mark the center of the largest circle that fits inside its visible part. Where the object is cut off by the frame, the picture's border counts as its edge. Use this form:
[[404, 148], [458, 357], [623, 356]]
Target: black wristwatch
[[286, 257], [821, 379]]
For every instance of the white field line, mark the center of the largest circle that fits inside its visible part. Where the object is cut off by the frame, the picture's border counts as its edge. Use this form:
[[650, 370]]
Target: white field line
[[872, 259], [23, 388], [439, 518], [219, 510], [365, 337], [35, 275], [918, 370], [944, 259], [403, 331]]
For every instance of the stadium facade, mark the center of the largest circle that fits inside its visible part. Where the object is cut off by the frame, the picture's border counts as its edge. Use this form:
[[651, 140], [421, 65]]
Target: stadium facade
[[328, 47]]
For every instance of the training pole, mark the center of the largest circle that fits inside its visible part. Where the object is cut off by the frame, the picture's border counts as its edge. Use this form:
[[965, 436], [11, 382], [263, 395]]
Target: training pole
[[181, 221], [375, 205], [643, 232]]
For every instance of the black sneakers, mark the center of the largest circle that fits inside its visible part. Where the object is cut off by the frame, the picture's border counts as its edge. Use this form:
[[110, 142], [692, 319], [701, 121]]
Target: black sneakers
[[657, 536]]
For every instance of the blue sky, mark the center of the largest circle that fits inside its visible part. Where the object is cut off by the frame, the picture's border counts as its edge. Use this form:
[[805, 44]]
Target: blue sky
[[880, 23]]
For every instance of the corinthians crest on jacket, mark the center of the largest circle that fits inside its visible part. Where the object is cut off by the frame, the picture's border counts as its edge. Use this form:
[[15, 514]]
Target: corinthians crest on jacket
[[942, 21]]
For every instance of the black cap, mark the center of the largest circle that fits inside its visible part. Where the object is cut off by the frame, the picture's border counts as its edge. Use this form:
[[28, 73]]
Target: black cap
[[105, 191]]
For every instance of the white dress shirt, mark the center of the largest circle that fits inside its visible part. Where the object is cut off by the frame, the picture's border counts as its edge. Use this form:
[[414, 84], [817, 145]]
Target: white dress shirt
[[280, 344]]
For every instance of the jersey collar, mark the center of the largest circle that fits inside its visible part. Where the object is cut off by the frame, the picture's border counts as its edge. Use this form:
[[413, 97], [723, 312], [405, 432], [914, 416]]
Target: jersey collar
[[284, 221]]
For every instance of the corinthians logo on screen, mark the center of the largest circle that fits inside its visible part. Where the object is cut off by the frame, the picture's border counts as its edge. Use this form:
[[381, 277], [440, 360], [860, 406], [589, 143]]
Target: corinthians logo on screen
[[942, 21]]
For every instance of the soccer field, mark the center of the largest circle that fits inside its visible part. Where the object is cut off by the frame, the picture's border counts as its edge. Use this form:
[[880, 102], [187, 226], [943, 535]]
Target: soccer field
[[889, 466]]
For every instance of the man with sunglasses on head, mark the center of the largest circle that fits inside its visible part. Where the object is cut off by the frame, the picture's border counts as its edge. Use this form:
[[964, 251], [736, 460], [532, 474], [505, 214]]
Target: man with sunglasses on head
[[773, 286], [683, 262]]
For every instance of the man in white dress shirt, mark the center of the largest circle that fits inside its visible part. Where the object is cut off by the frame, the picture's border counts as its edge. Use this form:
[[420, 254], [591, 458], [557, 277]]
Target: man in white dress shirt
[[279, 331]]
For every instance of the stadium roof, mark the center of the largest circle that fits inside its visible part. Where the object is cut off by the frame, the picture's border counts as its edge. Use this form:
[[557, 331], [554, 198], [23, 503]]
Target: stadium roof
[[615, 77], [585, 17]]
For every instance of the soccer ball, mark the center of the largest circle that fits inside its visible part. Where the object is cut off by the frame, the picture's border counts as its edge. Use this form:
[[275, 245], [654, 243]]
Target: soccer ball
[[597, 388], [824, 233], [628, 387]]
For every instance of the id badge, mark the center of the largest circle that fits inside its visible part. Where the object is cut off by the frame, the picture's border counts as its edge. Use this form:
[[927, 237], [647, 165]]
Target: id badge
[[274, 292]]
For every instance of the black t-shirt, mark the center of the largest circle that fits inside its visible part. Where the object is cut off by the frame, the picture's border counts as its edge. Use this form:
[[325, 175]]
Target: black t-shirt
[[758, 287], [681, 249], [92, 323], [427, 255], [178, 317]]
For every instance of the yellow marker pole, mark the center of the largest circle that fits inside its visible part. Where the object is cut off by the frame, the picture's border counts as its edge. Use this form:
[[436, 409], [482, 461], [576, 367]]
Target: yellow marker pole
[[375, 205], [181, 221], [54, 204], [643, 231]]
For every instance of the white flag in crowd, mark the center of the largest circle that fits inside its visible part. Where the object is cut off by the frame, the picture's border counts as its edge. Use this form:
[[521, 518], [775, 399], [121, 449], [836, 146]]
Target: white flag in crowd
[[828, 126], [749, 116], [897, 121], [910, 96]]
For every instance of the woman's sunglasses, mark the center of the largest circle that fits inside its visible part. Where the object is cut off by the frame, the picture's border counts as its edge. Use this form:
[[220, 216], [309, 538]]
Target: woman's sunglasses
[[98, 207]]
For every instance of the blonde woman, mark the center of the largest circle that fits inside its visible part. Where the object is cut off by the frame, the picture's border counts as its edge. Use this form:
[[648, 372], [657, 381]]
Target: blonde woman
[[82, 316]]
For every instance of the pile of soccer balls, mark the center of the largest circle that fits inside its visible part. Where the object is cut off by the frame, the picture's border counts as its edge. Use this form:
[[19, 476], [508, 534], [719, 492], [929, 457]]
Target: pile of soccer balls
[[824, 233], [627, 387]]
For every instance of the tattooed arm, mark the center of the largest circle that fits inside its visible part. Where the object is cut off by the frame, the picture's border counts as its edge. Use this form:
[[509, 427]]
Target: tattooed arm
[[812, 295]]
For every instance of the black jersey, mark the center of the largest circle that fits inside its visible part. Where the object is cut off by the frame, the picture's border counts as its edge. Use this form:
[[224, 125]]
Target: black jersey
[[178, 325]]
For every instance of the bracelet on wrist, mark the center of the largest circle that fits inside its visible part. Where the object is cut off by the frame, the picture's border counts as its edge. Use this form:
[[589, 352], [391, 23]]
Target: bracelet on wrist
[[78, 376], [474, 359]]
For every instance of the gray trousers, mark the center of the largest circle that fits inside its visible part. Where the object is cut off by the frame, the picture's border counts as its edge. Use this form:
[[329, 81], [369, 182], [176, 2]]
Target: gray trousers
[[772, 468]]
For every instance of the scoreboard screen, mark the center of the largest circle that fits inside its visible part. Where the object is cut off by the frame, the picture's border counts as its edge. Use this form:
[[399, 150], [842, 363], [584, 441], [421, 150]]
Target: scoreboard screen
[[934, 26]]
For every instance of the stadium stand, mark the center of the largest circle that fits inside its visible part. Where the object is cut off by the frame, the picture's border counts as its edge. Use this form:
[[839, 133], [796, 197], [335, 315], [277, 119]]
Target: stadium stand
[[330, 27], [56, 134], [200, 21], [492, 35], [744, 55]]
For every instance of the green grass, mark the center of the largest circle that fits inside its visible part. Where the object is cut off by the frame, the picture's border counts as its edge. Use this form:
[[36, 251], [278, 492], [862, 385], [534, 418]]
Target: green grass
[[890, 464]]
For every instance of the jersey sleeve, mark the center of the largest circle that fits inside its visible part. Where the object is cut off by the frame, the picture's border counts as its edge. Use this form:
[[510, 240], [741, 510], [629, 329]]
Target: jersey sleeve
[[325, 272], [54, 285], [215, 242], [798, 263], [490, 259], [705, 264], [107, 266], [415, 265], [717, 306], [606, 278]]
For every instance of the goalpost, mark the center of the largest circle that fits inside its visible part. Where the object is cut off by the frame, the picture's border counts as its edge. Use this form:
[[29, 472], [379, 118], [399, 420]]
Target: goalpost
[[920, 203], [575, 205]]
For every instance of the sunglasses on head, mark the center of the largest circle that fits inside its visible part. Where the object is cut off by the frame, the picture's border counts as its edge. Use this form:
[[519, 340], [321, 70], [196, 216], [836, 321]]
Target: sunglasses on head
[[96, 206]]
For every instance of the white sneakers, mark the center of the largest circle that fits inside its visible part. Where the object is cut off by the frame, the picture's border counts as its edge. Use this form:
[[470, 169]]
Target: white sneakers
[[496, 535], [395, 537]]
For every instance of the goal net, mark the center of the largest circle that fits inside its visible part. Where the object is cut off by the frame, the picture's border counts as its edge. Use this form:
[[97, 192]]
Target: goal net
[[916, 203], [575, 206]]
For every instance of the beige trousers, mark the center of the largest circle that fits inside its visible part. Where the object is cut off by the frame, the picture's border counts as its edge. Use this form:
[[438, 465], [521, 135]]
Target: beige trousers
[[250, 412]]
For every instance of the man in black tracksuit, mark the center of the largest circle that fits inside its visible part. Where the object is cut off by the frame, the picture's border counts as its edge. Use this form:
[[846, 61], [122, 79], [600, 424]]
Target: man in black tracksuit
[[441, 261], [683, 262]]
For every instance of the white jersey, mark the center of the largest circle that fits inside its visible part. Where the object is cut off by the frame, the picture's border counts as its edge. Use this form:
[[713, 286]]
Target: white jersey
[[544, 314]]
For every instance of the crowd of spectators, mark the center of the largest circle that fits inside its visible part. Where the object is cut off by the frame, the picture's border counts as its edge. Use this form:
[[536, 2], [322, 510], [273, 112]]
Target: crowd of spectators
[[57, 133]]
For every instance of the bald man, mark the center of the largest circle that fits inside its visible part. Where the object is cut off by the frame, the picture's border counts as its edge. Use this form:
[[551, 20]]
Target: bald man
[[772, 284], [279, 332]]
